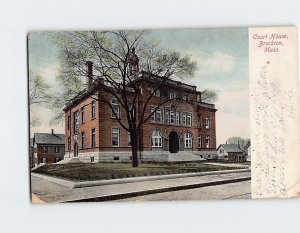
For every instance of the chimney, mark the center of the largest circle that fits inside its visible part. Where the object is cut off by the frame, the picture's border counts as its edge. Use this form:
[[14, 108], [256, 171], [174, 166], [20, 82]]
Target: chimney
[[133, 63], [89, 71], [52, 131]]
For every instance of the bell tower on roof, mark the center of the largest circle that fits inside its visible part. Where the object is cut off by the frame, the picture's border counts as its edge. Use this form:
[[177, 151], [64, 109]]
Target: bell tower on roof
[[133, 62]]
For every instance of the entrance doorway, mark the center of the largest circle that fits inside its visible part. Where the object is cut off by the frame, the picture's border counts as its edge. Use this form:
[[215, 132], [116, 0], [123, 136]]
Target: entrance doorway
[[75, 149], [173, 142]]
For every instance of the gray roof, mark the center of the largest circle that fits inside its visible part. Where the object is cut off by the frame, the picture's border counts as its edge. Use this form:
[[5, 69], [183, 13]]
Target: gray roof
[[232, 148], [48, 138]]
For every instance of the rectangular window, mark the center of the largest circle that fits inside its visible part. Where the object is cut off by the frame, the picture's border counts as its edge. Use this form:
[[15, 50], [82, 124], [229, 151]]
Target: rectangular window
[[82, 115], [172, 95], [184, 118], [69, 121], [156, 93], [207, 141], [167, 116], [177, 118], [44, 149], [93, 109], [92, 159], [56, 149], [93, 137], [172, 117], [189, 119], [200, 121], [69, 143], [158, 115], [200, 141], [207, 122], [115, 137], [76, 125], [82, 139], [153, 115], [115, 109], [129, 139]]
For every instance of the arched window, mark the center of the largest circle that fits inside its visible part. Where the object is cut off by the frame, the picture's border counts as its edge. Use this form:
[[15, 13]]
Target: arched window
[[156, 138], [188, 140]]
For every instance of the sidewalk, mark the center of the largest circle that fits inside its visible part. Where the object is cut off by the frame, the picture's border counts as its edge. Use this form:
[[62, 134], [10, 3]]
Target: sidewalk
[[50, 192]]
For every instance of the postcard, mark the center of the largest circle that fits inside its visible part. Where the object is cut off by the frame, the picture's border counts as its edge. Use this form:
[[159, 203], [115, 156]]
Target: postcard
[[164, 114]]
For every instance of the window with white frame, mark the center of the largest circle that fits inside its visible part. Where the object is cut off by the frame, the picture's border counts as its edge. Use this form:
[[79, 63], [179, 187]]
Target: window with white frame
[[156, 138], [189, 119], [158, 115], [188, 140], [172, 95], [76, 123], [115, 137], [153, 115], [93, 137], [93, 109], [207, 141], [56, 149], [172, 117], [82, 115], [200, 141], [115, 109], [167, 116], [177, 118], [207, 122], [184, 118], [129, 139]]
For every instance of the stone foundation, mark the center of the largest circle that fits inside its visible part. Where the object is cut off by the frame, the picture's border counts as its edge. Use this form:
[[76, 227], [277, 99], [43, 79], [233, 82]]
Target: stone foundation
[[145, 156]]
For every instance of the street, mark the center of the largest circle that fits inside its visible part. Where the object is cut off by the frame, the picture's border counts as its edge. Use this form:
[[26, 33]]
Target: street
[[239, 190], [216, 186]]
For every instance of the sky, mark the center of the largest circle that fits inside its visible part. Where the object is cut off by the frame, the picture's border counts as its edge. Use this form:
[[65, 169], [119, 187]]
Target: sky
[[222, 61]]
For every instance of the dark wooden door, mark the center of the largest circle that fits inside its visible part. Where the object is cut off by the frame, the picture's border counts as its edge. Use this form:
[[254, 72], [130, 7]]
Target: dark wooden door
[[173, 142]]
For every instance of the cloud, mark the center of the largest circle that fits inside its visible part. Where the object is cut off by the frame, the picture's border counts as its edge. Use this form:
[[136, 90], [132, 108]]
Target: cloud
[[216, 62]]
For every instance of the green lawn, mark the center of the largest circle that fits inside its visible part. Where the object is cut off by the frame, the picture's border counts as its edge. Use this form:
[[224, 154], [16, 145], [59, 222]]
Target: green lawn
[[105, 171]]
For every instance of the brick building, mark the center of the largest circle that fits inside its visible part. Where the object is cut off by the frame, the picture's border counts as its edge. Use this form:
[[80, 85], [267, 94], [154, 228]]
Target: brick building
[[48, 147], [183, 129]]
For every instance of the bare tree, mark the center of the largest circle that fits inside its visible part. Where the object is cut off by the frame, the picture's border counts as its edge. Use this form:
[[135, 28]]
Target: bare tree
[[38, 94], [209, 96], [117, 58]]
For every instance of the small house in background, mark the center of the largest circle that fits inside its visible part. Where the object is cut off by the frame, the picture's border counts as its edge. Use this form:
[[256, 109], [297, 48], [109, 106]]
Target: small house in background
[[31, 153], [247, 150], [232, 152], [48, 147]]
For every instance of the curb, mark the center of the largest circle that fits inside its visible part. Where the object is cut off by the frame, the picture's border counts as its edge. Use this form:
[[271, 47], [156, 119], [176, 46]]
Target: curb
[[83, 184], [120, 196]]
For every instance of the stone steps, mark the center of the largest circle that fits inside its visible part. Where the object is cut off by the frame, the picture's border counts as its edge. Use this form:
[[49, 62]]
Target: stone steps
[[69, 160], [183, 157]]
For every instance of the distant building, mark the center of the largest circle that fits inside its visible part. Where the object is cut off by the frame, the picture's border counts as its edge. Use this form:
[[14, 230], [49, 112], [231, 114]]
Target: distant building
[[231, 152], [31, 153], [247, 150], [48, 147]]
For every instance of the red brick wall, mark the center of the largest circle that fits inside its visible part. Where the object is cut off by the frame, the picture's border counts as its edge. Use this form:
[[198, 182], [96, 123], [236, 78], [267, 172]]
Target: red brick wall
[[50, 155], [104, 122]]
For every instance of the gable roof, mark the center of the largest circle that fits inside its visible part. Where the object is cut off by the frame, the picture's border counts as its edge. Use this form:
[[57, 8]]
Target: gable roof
[[48, 138], [231, 148]]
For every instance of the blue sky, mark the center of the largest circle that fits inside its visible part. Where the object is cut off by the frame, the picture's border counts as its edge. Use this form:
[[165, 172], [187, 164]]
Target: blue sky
[[222, 59]]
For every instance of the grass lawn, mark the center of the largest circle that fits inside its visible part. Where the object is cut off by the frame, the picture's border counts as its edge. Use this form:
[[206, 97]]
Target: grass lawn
[[106, 171]]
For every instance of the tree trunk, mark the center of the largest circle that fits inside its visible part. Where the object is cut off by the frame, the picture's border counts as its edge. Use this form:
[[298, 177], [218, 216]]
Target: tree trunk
[[134, 148]]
